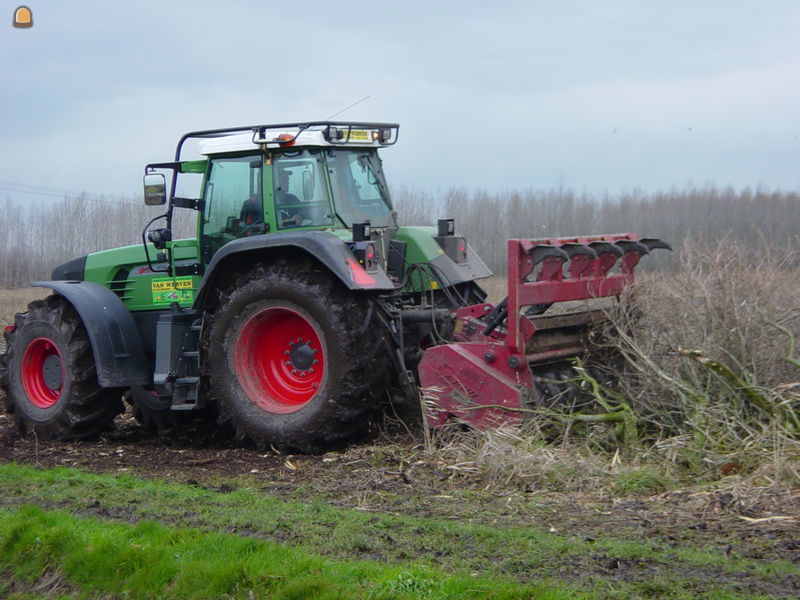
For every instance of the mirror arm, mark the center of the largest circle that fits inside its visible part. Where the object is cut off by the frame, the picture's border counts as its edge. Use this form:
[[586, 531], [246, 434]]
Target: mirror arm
[[193, 203], [144, 243], [171, 200]]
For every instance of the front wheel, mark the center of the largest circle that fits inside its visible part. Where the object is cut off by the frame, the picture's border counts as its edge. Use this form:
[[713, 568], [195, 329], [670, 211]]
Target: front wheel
[[294, 359], [51, 383]]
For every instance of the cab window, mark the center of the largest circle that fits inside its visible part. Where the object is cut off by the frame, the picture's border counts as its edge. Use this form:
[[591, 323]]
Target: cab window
[[234, 205], [300, 190]]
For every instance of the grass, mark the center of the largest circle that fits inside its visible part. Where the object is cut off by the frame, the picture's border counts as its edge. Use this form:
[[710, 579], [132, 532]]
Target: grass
[[646, 480], [149, 560], [422, 556]]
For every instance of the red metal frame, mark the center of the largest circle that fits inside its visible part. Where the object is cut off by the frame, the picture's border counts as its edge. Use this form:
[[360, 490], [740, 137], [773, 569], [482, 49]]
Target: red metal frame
[[588, 278], [484, 379]]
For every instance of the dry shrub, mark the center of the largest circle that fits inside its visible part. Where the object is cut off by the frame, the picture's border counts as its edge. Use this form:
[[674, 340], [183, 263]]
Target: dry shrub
[[710, 359], [509, 458]]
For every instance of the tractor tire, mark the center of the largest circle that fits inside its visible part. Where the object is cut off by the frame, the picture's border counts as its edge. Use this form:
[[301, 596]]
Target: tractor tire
[[294, 359], [51, 383]]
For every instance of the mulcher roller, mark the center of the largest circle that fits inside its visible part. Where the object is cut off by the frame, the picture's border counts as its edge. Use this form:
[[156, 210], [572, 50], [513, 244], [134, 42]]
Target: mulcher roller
[[509, 357]]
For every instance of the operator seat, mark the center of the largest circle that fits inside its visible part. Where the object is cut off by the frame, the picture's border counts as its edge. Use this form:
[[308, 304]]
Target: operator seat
[[252, 213]]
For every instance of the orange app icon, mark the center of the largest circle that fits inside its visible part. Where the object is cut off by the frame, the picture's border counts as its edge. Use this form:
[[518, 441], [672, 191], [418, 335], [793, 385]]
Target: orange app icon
[[23, 17]]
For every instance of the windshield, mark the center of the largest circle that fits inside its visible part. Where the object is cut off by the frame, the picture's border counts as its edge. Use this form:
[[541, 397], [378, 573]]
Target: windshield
[[359, 188]]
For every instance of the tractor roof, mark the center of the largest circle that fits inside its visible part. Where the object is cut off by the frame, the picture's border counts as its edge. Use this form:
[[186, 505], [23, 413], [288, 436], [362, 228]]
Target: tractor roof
[[323, 133]]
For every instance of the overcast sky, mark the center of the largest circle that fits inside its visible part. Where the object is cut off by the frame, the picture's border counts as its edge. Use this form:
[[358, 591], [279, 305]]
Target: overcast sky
[[594, 95]]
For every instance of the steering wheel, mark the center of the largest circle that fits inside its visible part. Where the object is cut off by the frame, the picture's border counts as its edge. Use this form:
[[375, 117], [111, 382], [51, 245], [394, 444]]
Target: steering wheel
[[251, 227]]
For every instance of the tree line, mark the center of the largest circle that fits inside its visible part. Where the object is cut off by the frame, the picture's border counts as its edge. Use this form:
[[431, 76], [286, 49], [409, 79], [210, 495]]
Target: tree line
[[35, 238], [753, 217]]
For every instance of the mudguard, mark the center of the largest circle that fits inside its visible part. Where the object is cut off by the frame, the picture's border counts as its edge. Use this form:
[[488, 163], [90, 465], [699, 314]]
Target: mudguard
[[118, 354], [330, 250], [452, 272]]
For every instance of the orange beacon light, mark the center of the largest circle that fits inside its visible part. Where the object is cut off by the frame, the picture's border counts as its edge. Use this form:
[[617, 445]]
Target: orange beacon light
[[23, 17]]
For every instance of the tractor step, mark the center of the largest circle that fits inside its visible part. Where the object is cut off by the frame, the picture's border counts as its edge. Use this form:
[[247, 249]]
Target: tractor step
[[183, 407], [178, 357]]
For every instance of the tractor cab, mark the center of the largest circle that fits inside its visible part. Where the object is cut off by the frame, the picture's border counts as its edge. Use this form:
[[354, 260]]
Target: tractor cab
[[286, 177]]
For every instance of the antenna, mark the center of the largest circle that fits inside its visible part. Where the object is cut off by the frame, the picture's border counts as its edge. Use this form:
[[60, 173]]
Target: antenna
[[336, 114]]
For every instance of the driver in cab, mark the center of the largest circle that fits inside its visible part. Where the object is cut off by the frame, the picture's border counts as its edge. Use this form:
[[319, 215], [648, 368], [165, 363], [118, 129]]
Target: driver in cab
[[289, 214]]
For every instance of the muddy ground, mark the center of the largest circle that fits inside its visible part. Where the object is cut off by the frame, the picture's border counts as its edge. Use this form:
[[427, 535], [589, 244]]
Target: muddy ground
[[396, 475]]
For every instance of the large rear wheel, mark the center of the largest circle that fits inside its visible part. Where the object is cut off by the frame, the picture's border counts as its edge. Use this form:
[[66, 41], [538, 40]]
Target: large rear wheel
[[295, 360], [51, 383]]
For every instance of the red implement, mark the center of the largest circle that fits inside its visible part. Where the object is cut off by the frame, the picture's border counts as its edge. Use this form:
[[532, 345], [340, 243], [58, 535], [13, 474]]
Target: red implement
[[484, 378]]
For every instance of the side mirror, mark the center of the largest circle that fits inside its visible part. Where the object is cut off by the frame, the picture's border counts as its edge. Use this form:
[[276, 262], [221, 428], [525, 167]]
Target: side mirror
[[155, 189], [308, 186]]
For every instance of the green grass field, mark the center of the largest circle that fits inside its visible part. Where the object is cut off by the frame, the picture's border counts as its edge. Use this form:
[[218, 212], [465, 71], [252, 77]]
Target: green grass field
[[103, 536]]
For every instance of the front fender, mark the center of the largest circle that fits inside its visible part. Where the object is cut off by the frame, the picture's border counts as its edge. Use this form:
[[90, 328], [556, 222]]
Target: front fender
[[117, 347], [321, 245]]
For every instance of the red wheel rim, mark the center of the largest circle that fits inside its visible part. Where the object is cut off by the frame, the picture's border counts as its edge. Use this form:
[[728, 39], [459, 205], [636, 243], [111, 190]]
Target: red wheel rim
[[279, 359], [42, 373]]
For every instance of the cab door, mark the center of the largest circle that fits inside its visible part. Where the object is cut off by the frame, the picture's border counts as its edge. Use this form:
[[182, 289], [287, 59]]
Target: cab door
[[234, 202]]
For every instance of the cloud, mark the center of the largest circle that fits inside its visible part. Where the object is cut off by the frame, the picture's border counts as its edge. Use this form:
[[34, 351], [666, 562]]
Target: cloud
[[507, 95]]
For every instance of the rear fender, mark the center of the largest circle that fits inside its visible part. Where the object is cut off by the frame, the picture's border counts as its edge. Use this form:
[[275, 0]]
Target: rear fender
[[118, 354], [328, 249]]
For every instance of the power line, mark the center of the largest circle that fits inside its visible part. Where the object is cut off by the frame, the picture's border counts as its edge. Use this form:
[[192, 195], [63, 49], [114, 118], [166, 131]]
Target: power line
[[13, 189], [31, 185], [50, 192]]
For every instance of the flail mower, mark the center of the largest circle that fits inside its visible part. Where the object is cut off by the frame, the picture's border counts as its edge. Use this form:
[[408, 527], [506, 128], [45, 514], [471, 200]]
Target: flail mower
[[506, 358]]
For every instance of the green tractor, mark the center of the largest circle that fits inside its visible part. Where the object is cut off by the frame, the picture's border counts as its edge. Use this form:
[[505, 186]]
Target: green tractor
[[301, 307], [296, 311]]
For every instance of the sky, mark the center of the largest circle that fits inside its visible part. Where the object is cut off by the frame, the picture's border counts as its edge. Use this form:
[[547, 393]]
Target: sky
[[598, 96]]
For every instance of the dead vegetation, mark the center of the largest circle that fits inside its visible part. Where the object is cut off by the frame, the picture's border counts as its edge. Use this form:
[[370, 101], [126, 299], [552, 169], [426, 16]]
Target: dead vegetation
[[711, 366], [13, 301]]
